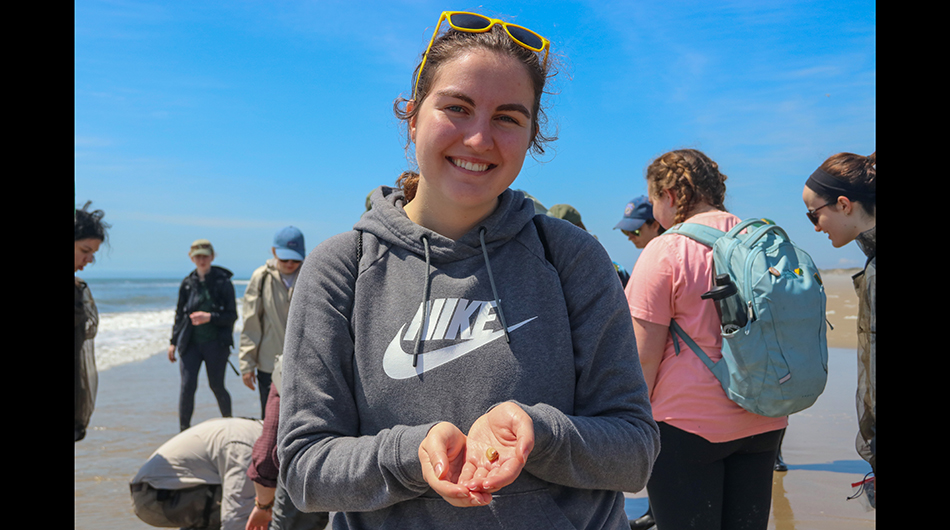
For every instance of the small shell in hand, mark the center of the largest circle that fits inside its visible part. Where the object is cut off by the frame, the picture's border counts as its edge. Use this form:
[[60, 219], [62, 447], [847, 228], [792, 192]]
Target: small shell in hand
[[491, 454]]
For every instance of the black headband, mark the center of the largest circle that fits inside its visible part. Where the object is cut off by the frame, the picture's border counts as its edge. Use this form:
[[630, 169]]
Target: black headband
[[828, 186]]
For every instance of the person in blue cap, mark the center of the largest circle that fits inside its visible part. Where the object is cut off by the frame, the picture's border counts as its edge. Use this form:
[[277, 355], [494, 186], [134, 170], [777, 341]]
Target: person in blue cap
[[266, 303], [640, 228], [638, 223]]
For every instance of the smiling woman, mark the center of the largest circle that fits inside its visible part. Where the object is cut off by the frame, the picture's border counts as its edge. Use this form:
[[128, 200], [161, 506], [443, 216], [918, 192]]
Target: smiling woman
[[841, 197], [532, 72], [441, 354], [471, 136]]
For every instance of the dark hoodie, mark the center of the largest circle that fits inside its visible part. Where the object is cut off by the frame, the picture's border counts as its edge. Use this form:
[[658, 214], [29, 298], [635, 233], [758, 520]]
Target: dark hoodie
[[354, 408]]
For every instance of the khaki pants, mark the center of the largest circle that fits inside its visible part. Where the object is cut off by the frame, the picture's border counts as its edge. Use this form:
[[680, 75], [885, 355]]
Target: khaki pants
[[195, 507]]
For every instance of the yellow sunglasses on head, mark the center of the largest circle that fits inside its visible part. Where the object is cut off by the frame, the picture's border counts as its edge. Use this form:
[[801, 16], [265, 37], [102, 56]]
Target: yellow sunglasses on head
[[475, 23]]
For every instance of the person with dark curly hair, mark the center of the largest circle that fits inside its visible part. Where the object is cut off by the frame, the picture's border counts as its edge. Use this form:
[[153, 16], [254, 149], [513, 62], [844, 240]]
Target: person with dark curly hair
[[90, 233]]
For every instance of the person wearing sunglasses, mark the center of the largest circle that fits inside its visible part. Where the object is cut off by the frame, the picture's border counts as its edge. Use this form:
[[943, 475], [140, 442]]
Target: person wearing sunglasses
[[264, 310], [441, 369], [840, 198], [715, 468], [640, 228], [638, 223], [204, 330]]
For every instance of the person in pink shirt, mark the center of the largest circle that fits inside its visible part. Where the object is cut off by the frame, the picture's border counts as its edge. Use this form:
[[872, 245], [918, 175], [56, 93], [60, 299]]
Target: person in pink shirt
[[714, 470]]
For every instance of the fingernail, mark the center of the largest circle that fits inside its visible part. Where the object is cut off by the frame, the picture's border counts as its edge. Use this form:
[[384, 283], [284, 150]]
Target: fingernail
[[438, 469]]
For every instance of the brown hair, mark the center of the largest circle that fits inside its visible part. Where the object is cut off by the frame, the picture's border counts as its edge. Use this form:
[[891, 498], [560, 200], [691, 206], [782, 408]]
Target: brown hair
[[446, 48], [692, 175], [858, 171]]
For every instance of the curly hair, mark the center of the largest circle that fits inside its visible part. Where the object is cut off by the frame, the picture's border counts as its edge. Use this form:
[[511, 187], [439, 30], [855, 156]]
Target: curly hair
[[692, 175], [858, 171], [451, 45]]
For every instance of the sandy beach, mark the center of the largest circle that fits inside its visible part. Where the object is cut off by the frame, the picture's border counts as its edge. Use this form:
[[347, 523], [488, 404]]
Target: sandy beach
[[136, 411]]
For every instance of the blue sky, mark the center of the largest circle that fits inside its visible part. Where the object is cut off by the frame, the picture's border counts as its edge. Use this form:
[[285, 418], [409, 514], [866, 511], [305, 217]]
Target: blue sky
[[228, 120]]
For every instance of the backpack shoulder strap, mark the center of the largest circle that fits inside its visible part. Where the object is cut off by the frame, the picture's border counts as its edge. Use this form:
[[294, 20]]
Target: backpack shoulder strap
[[539, 224], [706, 235], [544, 241], [677, 331]]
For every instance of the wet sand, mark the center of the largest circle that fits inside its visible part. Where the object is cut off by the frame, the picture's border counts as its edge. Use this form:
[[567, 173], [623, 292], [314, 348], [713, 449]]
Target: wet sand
[[136, 411], [842, 308]]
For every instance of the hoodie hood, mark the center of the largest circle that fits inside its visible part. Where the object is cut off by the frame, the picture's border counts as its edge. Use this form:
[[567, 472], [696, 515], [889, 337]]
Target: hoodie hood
[[213, 272], [389, 223]]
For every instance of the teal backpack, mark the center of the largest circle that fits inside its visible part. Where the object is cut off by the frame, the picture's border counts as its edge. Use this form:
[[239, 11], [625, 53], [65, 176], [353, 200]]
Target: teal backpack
[[772, 305]]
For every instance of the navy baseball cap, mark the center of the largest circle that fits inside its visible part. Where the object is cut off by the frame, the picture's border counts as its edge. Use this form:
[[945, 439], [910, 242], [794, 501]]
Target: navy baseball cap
[[637, 212], [288, 244]]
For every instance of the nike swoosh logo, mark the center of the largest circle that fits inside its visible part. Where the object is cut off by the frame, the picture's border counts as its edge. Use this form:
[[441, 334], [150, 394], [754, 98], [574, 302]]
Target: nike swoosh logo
[[398, 364]]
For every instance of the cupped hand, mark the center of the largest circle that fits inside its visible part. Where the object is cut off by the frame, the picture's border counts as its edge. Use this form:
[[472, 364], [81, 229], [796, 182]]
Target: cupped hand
[[445, 462], [507, 429], [200, 317]]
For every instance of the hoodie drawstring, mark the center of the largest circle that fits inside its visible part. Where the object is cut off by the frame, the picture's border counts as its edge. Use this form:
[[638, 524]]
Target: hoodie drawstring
[[417, 349], [425, 305], [491, 280]]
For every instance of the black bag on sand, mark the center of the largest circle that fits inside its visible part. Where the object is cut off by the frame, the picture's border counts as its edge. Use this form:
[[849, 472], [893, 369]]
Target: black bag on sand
[[195, 507]]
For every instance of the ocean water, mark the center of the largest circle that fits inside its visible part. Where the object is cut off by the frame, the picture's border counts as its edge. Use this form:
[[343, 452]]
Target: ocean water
[[136, 318]]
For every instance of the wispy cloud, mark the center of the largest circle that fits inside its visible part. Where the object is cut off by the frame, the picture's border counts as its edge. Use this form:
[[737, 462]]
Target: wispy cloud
[[197, 221]]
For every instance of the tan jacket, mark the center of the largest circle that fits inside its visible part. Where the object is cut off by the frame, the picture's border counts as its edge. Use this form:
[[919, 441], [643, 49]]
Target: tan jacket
[[865, 285], [266, 303], [216, 451]]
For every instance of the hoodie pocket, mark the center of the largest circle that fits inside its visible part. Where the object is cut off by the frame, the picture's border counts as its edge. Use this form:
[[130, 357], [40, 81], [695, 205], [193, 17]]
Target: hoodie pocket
[[535, 509]]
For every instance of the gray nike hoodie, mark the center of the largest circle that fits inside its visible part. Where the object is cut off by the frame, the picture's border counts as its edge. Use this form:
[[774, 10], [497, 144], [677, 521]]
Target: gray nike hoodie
[[365, 377]]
